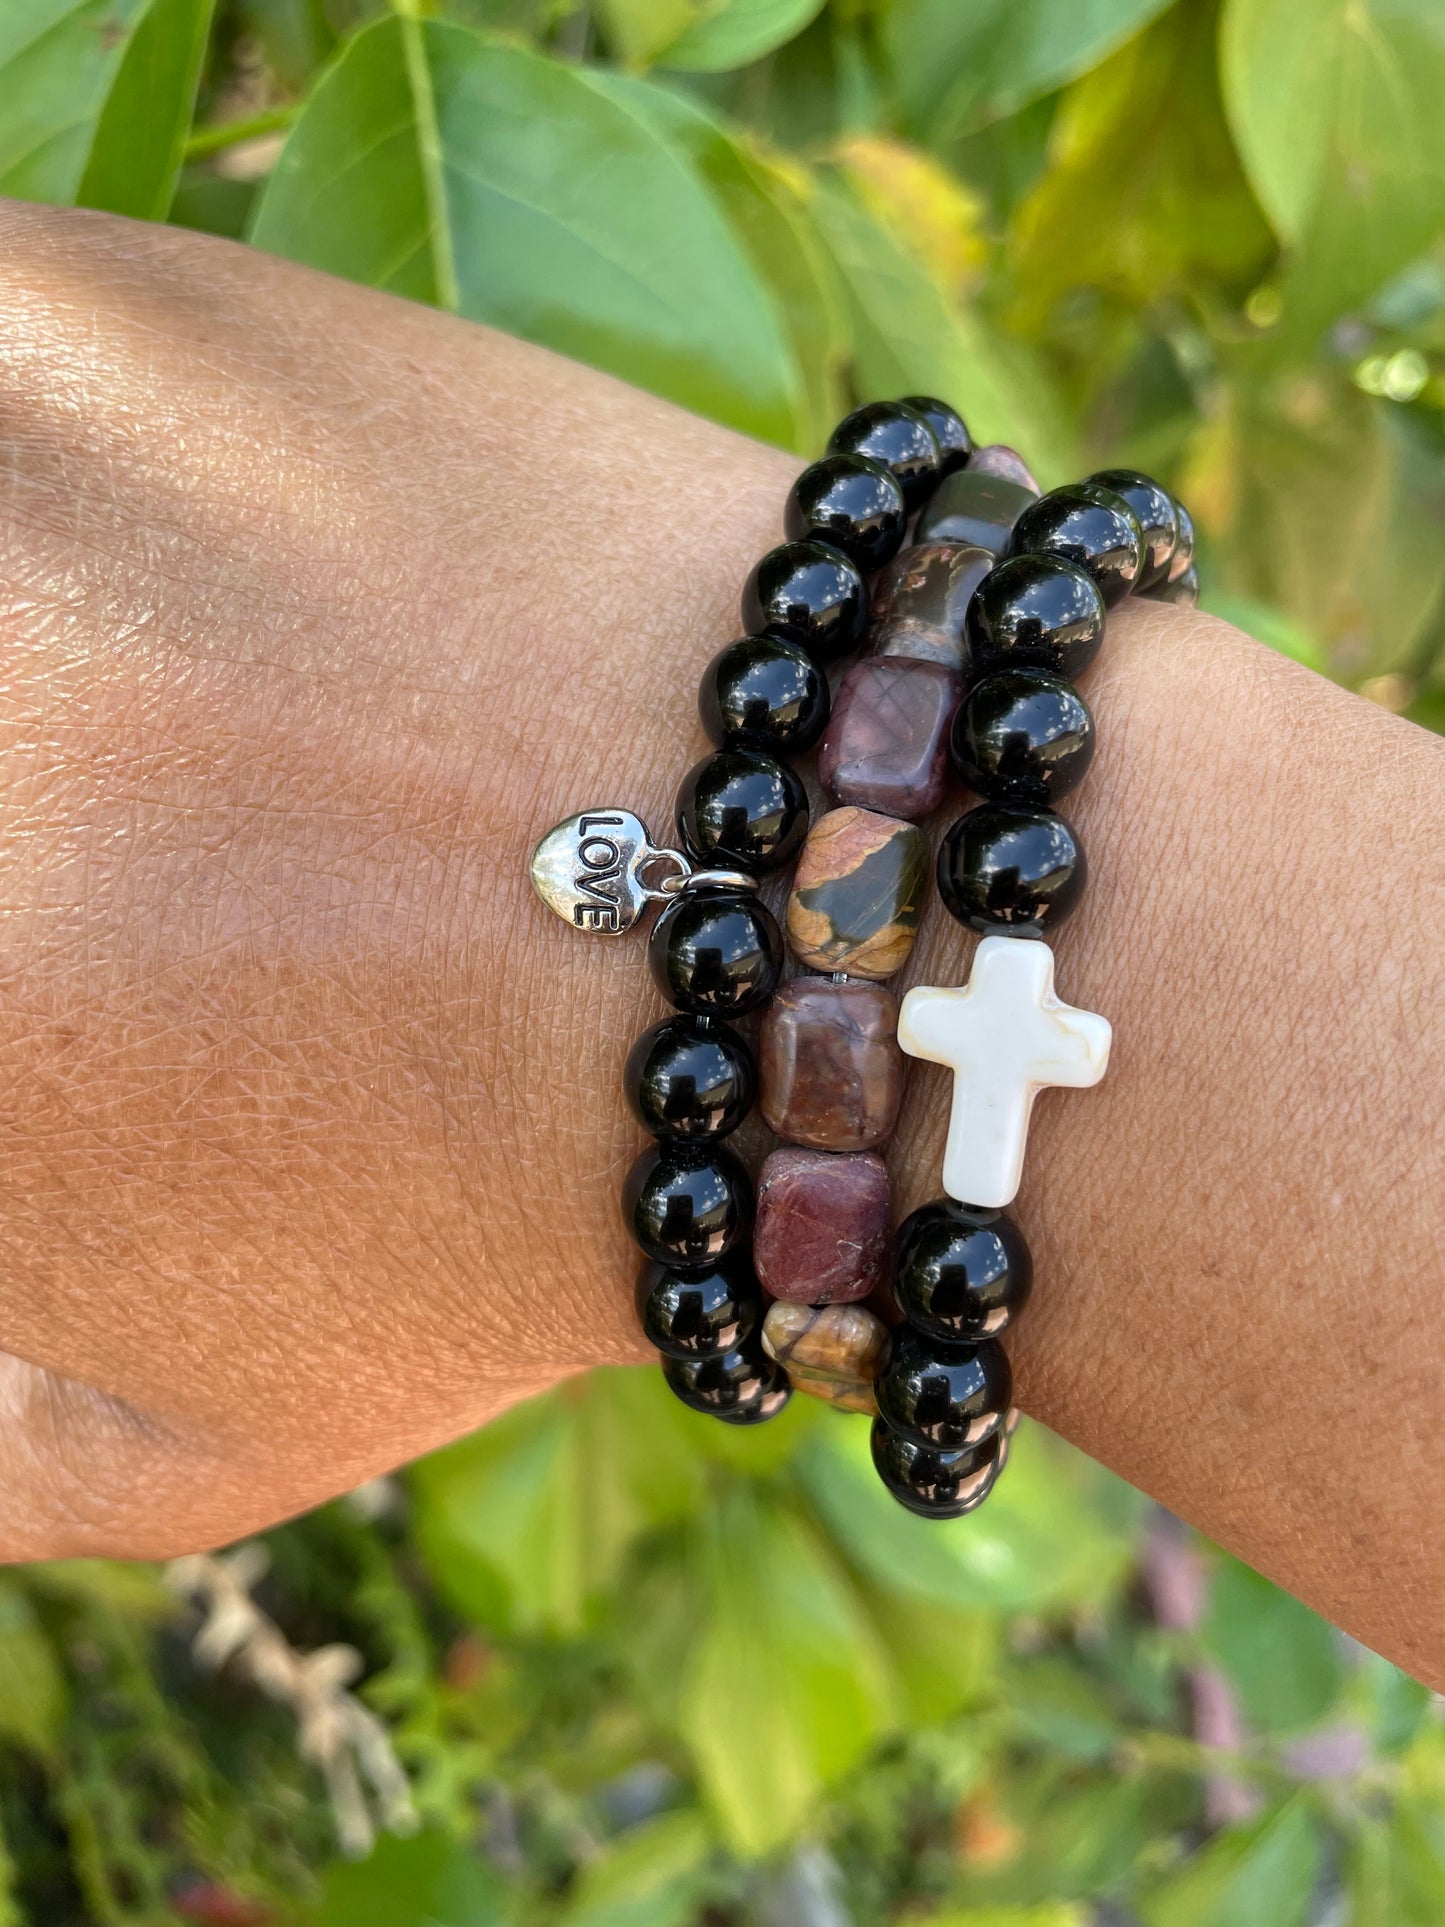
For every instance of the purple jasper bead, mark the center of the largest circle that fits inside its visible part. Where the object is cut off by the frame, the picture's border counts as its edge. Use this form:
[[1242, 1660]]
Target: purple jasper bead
[[821, 1236], [921, 599], [997, 458], [886, 746]]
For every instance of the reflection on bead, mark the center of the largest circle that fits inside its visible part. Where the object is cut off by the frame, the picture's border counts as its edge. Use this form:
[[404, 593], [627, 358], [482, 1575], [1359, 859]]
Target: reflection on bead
[[691, 1314], [830, 1351], [810, 595], [763, 693], [739, 809], [851, 502], [856, 893], [960, 1273], [997, 458], [935, 1485], [1182, 590], [1089, 526], [1183, 557], [970, 506], [1156, 515], [1007, 868], [1023, 736], [686, 1205], [822, 1228], [716, 952], [829, 1068], [950, 431], [1036, 609], [899, 437], [947, 1396], [886, 747], [920, 602], [741, 1387], [690, 1078]]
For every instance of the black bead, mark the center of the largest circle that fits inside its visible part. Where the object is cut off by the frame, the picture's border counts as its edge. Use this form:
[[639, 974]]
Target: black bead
[[718, 953], [1007, 868], [1184, 547], [1036, 609], [1022, 736], [899, 437], [809, 594], [687, 1205], [741, 1387], [1183, 590], [971, 507], [947, 1396], [960, 1273], [1155, 513], [692, 1314], [739, 809], [935, 1485], [950, 431], [1091, 526], [690, 1078], [764, 693], [852, 503]]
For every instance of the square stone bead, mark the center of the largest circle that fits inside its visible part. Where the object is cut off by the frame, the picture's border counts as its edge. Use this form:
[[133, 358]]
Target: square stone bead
[[821, 1233], [886, 746], [831, 1351], [968, 506], [857, 893], [920, 600], [830, 1071], [997, 458]]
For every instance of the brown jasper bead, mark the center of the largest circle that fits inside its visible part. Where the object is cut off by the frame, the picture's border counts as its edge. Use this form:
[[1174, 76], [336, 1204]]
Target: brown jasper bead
[[830, 1351], [921, 599], [886, 747], [997, 458], [857, 892], [831, 1072], [821, 1235]]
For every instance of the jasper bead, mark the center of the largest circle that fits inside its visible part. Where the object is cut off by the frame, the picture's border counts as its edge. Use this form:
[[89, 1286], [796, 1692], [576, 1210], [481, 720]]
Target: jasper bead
[[690, 1078], [946, 1396], [960, 1273], [741, 810], [974, 507], [1003, 867], [718, 953], [809, 594], [821, 1235], [920, 602], [763, 693], [1023, 736], [997, 458], [741, 1387], [950, 431], [1089, 526], [851, 502], [1036, 609], [692, 1314], [1156, 515], [899, 437], [857, 892], [886, 747], [830, 1351], [687, 1205], [829, 1066], [936, 1485]]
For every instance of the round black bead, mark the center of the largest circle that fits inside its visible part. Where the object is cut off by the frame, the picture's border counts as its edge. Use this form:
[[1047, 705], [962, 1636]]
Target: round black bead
[[764, 693], [947, 1396], [1035, 609], [961, 1273], [1022, 736], [690, 1078], [1182, 590], [718, 953], [1089, 525], [1155, 513], [809, 594], [739, 809], [1006, 868], [935, 1485], [899, 437], [687, 1205], [1184, 547], [950, 431], [852, 503], [693, 1314], [741, 1387]]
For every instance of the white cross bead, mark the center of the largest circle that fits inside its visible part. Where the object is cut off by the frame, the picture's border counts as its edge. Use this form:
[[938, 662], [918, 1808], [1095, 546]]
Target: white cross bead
[[1005, 1036]]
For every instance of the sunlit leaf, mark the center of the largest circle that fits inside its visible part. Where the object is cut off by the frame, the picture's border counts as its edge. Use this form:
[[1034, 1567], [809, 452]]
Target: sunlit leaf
[[428, 1881], [135, 156], [33, 1696], [1395, 1870], [58, 59], [654, 1876], [636, 31], [1263, 1872], [1284, 1659], [730, 33]]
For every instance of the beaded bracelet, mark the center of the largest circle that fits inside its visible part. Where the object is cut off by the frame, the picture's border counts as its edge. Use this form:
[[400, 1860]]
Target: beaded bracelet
[[1014, 585]]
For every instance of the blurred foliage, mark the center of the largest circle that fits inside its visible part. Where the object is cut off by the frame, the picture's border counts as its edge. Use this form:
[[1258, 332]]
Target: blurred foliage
[[643, 1672]]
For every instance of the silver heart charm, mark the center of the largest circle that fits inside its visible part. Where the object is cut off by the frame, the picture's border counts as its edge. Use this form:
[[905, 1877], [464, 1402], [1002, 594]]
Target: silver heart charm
[[589, 870]]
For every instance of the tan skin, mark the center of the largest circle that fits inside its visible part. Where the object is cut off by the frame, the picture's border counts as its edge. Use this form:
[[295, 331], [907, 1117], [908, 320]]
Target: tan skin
[[315, 608]]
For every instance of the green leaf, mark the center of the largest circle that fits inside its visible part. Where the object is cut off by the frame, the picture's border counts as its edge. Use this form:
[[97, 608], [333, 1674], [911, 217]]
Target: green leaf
[[958, 66], [58, 59], [731, 33], [655, 1875], [636, 31], [1284, 1659], [1263, 1872], [135, 156], [427, 1881], [1050, 1915], [33, 1700], [457, 168], [1395, 1870]]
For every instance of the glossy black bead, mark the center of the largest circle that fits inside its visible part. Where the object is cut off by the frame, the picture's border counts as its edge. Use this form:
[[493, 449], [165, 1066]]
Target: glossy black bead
[[694, 1314], [690, 1078], [852, 503], [1088, 525], [741, 1387], [1022, 736], [935, 1485], [947, 1396], [1183, 590], [809, 594], [763, 693], [1004, 867], [739, 809], [1036, 609], [718, 953], [960, 1273], [1156, 514], [1184, 548], [899, 437], [687, 1205], [950, 431], [979, 509]]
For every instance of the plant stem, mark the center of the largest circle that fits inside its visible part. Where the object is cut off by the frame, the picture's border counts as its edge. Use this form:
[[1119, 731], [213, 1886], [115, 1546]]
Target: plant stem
[[231, 133]]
